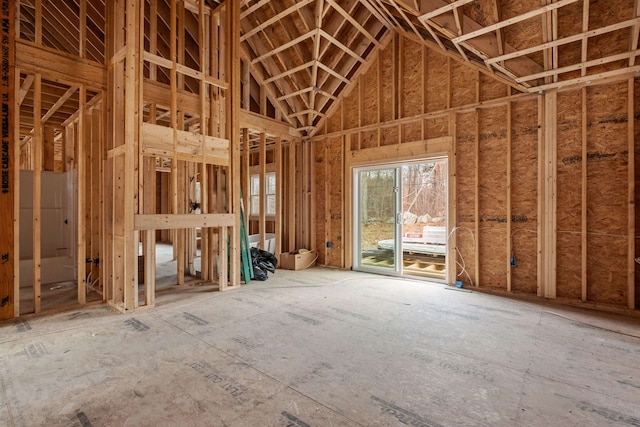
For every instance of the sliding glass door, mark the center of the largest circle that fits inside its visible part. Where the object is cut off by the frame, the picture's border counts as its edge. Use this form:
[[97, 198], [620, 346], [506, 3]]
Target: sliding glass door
[[377, 208], [400, 224]]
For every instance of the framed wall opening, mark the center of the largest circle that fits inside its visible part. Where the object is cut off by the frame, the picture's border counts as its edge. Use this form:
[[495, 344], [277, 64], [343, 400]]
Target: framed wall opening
[[400, 218]]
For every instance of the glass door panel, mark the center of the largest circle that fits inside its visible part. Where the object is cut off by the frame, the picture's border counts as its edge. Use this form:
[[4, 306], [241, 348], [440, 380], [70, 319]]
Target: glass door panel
[[424, 227], [377, 228]]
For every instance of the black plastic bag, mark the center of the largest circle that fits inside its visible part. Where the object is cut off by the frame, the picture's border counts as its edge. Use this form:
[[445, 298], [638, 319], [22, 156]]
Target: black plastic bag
[[259, 274], [265, 260]]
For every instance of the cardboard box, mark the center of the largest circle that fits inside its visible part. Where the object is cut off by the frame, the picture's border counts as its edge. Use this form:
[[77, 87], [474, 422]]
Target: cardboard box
[[296, 261]]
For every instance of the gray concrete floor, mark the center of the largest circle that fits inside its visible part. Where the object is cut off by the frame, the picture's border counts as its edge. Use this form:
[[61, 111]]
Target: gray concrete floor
[[323, 348]]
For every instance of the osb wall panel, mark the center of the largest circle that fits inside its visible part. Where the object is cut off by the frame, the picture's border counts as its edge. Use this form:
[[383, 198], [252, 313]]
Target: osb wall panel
[[334, 123], [492, 198], [387, 82], [412, 132], [524, 195], [491, 89], [411, 75], [569, 195], [602, 14], [336, 191], [370, 99], [351, 109], [321, 176], [369, 139], [436, 128], [436, 75], [525, 34], [463, 84], [389, 136], [607, 162], [465, 202]]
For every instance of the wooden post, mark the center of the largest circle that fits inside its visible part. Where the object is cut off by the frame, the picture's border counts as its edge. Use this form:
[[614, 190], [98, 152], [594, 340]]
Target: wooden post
[[233, 131], [451, 199], [48, 154], [9, 195], [292, 196], [584, 229], [549, 219], [509, 225], [348, 203], [262, 223], [37, 191], [84, 133], [476, 203], [631, 296], [279, 196]]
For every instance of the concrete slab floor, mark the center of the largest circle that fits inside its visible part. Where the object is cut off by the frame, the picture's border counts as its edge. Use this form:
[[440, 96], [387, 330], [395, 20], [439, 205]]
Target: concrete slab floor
[[323, 348]]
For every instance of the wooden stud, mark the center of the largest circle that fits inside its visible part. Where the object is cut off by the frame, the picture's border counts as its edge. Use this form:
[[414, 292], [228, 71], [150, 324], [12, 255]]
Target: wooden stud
[[583, 202], [48, 157], [130, 173], [509, 211], [549, 200], [94, 198], [452, 189], [292, 196], [82, 39], [476, 203], [262, 223], [37, 192], [10, 243], [279, 196], [312, 193], [38, 23], [348, 219], [631, 265]]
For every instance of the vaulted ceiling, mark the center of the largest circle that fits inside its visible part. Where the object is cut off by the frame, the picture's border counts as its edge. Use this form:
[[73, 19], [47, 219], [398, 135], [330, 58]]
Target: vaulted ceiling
[[306, 53]]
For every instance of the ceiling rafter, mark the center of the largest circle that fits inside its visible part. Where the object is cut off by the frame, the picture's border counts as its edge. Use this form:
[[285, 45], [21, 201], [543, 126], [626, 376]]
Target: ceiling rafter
[[511, 21]]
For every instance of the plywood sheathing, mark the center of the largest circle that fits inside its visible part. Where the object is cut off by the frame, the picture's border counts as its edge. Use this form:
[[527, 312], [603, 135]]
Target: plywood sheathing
[[569, 262], [492, 197], [437, 76], [466, 196], [524, 209], [606, 196]]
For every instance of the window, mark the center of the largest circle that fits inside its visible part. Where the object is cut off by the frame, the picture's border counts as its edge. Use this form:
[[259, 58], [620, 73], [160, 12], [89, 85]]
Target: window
[[270, 194]]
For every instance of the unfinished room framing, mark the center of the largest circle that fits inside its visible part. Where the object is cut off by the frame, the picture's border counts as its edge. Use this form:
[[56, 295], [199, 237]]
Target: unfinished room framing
[[132, 123]]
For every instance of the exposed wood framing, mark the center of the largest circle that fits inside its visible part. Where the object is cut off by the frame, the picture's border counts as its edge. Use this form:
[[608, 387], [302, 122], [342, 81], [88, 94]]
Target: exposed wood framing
[[9, 166]]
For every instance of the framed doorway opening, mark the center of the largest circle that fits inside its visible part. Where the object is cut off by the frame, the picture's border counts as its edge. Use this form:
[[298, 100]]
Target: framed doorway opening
[[400, 218]]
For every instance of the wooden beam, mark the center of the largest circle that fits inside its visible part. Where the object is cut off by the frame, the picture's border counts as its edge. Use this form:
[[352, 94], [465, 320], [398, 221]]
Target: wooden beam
[[58, 66], [275, 19], [563, 41], [181, 221], [635, 30], [9, 166], [449, 7], [232, 25], [353, 22], [511, 21], [259, 123], [24, 89]]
